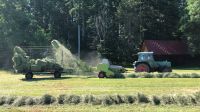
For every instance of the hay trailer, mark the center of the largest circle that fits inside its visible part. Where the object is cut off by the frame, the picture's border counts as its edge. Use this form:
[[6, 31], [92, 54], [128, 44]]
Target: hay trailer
[[146, 63], [29, 67]]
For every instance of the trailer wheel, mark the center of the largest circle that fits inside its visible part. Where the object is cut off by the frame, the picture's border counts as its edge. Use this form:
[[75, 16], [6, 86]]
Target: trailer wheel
[[102, 75], [29, 75], [142, 67], [57, 74]]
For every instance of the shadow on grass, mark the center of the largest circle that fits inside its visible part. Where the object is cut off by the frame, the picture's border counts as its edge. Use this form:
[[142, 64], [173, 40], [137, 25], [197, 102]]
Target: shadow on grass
[[46, 78]]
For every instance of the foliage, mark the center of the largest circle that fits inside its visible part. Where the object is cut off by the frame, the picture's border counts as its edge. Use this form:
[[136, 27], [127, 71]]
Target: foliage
[[122, 23]]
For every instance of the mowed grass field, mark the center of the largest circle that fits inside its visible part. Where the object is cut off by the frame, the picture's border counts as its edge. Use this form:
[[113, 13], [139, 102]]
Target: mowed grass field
[[15, 85]]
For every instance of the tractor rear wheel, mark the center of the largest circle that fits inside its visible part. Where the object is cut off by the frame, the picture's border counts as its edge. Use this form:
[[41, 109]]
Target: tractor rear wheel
[[29, 75], [102, 75], [57, 74], [142, 67]]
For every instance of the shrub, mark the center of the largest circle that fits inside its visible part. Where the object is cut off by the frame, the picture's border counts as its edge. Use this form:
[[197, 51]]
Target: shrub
[[167, 100], [156, 100], [143, 98], [47, 99]]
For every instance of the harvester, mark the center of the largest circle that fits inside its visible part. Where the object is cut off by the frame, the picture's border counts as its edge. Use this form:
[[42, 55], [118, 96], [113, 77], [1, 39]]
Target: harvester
[[106, 70], [146, 63]]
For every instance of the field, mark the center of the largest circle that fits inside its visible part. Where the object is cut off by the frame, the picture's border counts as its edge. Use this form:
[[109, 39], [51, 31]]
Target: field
[[90, 108], [15, 85]]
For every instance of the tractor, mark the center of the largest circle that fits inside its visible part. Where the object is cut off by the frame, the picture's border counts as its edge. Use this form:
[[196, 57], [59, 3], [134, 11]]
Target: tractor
[[106, 70], [146, 63]]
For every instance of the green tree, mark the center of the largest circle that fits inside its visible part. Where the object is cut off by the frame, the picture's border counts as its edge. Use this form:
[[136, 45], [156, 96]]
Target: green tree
[[190, 24]]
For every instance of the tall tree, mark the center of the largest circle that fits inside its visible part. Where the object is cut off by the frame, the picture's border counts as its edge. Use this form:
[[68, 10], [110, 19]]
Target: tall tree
[[191, 25]]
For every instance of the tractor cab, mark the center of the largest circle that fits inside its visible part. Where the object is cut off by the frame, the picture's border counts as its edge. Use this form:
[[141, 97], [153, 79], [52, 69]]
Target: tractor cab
[[145, 56]]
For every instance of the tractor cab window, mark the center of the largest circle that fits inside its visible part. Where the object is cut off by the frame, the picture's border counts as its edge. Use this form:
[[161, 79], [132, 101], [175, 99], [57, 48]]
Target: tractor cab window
[[146, 57]]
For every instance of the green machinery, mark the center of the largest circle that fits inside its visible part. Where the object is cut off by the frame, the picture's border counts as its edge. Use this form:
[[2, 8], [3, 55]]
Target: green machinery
[[146, 63], [106, 70]]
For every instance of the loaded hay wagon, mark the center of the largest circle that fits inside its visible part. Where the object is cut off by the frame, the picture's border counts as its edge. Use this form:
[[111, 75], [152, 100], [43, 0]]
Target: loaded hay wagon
[[27, 66]]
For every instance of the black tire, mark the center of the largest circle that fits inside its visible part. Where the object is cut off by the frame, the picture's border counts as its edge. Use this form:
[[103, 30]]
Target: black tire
[[102, 75], [57, 74], [29, 75]]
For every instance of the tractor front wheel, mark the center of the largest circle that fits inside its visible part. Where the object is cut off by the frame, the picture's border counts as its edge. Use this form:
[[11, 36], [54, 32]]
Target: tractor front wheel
[[57, 74], [102, 75], [142, 67], [29, 75]]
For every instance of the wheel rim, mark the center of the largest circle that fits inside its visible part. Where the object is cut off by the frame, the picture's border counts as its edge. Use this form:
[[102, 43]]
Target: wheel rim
[[142, 68]]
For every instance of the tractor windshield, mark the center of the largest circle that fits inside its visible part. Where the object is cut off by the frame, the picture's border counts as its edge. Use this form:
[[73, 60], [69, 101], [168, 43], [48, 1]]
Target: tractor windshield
[[145, 57]]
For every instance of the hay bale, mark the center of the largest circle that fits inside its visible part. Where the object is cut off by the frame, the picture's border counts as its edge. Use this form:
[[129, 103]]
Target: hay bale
[[156, 100], [72, 99], [47, 99], [20, 101], [30, 101], [168, 100], [2, 100], [128, 99], [143, 98]]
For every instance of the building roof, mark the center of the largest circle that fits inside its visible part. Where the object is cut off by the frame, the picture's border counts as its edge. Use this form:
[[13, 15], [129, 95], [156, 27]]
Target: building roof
[[165, 47]]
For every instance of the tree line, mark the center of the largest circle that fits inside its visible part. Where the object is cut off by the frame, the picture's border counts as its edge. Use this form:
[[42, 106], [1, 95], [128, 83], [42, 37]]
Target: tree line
[[115, 28]]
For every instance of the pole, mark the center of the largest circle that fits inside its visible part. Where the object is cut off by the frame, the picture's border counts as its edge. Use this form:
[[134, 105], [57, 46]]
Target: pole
[[79, 41]]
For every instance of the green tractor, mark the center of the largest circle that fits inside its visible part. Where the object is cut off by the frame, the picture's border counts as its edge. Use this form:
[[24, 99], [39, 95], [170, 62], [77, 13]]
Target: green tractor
[[106, 70], [146, 63]]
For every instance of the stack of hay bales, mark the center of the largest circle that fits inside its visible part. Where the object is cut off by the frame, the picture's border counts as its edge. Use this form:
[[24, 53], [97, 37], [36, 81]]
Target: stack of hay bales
[[20, 59], [22, 63]]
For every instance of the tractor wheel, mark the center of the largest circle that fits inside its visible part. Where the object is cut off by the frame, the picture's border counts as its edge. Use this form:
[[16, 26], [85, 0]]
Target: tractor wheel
[[57, 74], [29, 75], [167, 69], [102, 75], [142, 68]]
